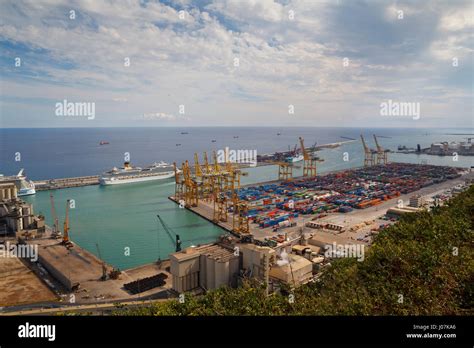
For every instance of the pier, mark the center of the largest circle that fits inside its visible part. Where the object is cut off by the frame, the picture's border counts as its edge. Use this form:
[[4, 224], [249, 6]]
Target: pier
[[55, 184]]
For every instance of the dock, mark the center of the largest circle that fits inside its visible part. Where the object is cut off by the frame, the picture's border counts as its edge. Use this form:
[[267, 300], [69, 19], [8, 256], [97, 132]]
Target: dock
[[77, 271], [55, 184]]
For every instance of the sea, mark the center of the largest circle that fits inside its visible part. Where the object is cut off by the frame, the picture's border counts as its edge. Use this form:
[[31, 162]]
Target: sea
[[120, 222]]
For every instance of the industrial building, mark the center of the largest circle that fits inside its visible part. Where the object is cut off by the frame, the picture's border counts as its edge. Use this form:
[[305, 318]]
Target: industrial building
[[207, 267], [211, 266], [448, 148], [16, 216], [397, 211], [416, 201]]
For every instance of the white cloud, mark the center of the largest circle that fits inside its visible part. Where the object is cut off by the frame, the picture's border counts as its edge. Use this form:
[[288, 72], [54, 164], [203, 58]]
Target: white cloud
[[191, 61], [162, 116]]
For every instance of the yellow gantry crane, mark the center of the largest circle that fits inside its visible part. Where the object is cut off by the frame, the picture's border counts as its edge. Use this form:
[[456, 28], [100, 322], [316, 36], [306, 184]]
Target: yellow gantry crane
[[369, 154], [208, 178], [285, 171], [214, 181], [310, 162], [382, 155], [179, 183], [191, 198]]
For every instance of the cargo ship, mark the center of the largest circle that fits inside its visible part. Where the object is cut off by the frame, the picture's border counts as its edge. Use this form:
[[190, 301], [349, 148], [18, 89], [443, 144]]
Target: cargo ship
[[24, 187], [129, 174]]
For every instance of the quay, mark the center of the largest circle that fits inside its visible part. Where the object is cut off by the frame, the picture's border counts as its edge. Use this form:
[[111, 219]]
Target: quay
[[55, 184]]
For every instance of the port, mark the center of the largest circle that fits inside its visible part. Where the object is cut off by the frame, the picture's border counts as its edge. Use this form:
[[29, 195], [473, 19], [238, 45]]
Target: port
[[299, 164]]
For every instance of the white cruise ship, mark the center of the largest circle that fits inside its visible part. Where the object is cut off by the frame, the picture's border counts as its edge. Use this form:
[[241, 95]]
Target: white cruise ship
[[129, 174], [295, 158], [25, 187]]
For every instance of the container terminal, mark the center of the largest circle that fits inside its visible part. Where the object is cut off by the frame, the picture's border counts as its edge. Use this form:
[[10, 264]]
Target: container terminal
[[276, 232]]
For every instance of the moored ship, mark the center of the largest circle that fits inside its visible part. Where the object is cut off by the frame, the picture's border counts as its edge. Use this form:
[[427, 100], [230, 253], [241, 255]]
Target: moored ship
[[24, 186], [129, 174]]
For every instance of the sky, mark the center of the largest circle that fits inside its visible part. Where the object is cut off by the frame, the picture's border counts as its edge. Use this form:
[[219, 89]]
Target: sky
[[191, 63]]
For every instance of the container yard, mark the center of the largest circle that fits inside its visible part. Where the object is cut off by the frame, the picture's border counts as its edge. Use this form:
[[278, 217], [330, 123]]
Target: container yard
[[342, 203]]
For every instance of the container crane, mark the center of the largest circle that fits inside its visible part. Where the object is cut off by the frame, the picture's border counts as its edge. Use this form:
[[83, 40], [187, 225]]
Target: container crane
[[173, 236], [382, 157], [55, 233], [369, 154], [66, 240], [179, 183], [309, 167], [190, 187]]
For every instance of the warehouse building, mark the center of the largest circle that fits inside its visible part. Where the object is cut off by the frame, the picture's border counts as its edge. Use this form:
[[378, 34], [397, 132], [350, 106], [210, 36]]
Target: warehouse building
[[209, 266]]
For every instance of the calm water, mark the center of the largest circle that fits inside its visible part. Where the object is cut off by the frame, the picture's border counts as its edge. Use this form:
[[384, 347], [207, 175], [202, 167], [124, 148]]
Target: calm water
[[125, 216]]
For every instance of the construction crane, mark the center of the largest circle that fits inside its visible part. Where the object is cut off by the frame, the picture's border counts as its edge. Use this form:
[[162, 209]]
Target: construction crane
[[104, 268], [369, 154], [66, 240], [382, 157], [55, 233], [173, 236], [309, 167]]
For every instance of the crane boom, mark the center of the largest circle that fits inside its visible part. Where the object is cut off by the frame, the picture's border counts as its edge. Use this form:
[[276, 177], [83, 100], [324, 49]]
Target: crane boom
[[173, 236], [379, 148], [104, 268], [66, 240], [366, 148], [54, 216], [303, 150], [197, 166], [217, 168]]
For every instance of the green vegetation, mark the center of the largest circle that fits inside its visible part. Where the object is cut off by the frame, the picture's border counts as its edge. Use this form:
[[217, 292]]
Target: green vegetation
[[427, 257]]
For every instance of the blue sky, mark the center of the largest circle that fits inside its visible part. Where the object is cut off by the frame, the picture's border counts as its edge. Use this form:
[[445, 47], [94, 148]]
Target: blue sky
[[397, 50]]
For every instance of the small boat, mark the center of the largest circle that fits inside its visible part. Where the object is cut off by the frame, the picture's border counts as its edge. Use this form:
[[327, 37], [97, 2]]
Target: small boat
[[278, 133], [104, 142], [213, 141], [184, 133], [236, 136], [178, 144]]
